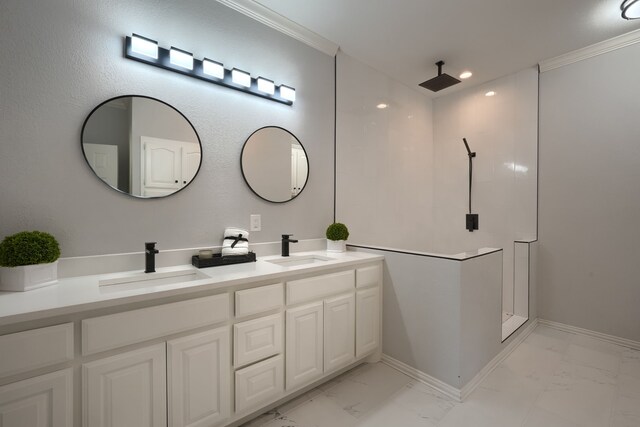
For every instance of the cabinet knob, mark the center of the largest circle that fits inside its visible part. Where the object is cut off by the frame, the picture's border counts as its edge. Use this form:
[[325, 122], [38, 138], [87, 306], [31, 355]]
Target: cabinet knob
[[176, 181]]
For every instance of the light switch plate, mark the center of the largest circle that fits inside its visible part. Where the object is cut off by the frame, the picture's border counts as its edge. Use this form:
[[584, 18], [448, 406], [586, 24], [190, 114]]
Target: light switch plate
[[256, 222]]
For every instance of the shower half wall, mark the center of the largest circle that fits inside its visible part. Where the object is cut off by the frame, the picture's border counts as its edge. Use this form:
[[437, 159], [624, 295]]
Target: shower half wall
[[402, 176]]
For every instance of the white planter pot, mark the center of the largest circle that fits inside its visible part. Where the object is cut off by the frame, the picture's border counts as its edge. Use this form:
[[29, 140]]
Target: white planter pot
[[336, 245], [27, 277]]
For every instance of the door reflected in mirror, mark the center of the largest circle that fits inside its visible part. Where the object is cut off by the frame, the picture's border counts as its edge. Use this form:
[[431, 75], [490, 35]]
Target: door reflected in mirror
[[274, 164], [141, 146]]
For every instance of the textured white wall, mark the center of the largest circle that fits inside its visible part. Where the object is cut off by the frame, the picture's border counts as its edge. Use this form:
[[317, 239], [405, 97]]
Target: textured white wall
[[385, 162], [61, 58], [590, 194]]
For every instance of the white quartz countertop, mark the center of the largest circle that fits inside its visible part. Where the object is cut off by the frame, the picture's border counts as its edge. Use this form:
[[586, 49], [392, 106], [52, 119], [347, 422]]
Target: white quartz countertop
[[75, 294]]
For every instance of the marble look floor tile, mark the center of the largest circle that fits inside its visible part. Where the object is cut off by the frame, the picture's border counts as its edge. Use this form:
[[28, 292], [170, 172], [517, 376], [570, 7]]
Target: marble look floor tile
[[282, 409], [317, 412], [550, 339], [531, 362], [367, 388], [424, 401], [630, 363], [507, 401], [553, 379], [391, 414], [465, 415], [541, 418], [580, 394], [593, 358], [597, 344]]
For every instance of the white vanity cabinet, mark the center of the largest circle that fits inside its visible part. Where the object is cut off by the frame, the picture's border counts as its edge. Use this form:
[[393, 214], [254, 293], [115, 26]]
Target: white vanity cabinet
[[187, 378], [337, 323], [199, 379], [42, 401], [128, 389], [304, 344], [339, 332], [368, 309], [258, 345], [207, 360]]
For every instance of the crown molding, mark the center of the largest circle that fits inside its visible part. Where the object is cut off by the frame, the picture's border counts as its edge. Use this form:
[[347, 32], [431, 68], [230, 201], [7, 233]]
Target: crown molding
[[618, 42], [278, 22]]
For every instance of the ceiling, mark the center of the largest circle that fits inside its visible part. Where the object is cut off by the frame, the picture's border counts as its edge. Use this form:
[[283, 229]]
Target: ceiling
[[492, 38]]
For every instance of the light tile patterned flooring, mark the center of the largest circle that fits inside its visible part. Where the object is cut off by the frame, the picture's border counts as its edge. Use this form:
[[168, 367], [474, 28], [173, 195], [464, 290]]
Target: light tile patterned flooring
[[553, 379]]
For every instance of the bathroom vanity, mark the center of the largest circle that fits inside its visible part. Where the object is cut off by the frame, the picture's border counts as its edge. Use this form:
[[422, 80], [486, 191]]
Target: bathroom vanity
[[186, 347]]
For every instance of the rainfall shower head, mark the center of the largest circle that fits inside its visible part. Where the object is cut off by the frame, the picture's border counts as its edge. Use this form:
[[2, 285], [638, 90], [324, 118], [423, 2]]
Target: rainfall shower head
[[441, 81]]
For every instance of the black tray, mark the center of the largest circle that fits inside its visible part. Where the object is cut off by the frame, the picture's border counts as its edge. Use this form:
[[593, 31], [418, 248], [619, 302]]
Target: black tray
[[219, 260]]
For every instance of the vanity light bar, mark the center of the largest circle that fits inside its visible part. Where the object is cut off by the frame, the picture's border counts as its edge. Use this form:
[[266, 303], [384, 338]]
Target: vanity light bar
[[146, 50]]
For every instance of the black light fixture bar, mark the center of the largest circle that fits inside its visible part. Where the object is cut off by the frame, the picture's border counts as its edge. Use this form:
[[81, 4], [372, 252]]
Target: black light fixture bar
[[163, 60]]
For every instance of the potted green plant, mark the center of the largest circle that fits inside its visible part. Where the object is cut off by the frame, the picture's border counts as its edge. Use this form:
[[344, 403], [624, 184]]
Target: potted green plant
[[28, 260], [337, 235]]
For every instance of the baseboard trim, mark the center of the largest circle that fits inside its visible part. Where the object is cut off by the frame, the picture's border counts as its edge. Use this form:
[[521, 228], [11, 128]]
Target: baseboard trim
[[598, 335], [418, 375], [449, 390]]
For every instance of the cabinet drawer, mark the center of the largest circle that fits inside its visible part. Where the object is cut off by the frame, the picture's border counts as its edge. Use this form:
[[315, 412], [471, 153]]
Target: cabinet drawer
[[368, 276], [257, 339], [259, 384], [259, 300], [36, 348], [315, 288], [117, 330]]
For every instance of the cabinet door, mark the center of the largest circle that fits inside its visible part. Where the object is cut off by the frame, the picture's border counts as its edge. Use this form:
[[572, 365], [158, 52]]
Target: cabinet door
[[304, 344], [128, 389], [367, 320], [339, 332], [44, 401], [198, 379]]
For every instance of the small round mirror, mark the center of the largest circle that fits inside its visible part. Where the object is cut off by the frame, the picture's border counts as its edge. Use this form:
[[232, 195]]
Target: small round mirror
[[141, 146], [274, 164]]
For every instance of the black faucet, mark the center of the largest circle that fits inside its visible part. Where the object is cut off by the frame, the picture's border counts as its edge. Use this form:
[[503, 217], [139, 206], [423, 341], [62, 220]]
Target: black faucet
[[150, 252], [285, 243]]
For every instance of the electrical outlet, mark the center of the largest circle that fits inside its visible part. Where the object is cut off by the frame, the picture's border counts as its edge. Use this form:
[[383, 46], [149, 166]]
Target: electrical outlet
[[256, 222]]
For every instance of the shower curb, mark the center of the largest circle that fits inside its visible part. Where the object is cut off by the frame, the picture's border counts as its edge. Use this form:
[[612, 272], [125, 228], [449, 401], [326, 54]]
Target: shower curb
[[624, 342]]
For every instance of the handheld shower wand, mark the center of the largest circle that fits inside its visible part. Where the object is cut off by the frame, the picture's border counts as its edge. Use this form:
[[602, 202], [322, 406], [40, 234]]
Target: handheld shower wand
[[471, 219]]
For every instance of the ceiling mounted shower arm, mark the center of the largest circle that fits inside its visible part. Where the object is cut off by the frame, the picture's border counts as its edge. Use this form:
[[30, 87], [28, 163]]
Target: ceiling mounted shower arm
[[471, 219]]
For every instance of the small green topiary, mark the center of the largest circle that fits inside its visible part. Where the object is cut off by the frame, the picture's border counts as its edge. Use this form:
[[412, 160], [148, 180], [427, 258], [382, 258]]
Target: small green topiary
[[28, 248], [337, 231]]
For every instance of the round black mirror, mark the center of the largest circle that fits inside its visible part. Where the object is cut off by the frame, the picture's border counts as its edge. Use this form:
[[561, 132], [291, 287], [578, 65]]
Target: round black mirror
[[141, 146], [274, 164]]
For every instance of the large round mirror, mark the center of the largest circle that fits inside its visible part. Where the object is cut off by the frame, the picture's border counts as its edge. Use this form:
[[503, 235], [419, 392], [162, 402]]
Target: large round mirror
[[274, 164], [141, 146]]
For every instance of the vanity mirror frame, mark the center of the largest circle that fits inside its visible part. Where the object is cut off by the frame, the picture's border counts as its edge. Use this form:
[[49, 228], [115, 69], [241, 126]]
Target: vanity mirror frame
[[84, 125], [244, 176]]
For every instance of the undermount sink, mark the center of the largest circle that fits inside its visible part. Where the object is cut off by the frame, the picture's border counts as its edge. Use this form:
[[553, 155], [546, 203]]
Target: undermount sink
[[295, 260], [138, 280]]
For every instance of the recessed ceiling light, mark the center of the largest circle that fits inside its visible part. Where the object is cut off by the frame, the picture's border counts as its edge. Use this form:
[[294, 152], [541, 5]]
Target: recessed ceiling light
[[490, 93], [466, 74], [630, 9], [382, 106]]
